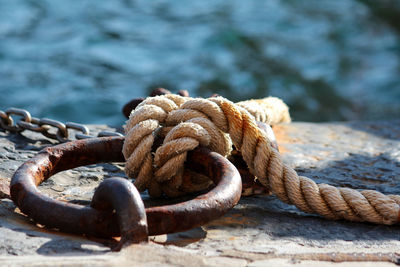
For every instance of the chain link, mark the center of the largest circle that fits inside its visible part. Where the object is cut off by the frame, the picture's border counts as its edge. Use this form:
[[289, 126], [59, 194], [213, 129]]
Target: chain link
[[52, 129]]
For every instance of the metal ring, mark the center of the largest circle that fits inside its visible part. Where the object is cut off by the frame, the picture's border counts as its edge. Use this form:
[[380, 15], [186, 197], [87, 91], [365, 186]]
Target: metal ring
[[103, 223]]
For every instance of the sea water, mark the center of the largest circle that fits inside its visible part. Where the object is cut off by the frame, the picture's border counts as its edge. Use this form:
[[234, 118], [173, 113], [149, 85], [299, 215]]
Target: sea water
[[83, 60]]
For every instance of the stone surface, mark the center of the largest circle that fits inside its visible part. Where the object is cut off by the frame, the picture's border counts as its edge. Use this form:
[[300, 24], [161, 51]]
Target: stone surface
[[259, 231]]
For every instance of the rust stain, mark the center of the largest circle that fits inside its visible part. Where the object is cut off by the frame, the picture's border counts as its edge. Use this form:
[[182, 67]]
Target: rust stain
[[283, 138], [281, 133]]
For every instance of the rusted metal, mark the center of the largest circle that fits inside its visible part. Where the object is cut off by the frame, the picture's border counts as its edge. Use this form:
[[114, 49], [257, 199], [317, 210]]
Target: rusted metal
[[122, 196], [159, 91], [98, 220], [131, 105], [7, 122], [250, 185], [43, 126]]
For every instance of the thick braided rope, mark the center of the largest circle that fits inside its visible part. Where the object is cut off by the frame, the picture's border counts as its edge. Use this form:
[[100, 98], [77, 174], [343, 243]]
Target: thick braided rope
[[140, 131], [145, 124], [271, 110], [264, 162]]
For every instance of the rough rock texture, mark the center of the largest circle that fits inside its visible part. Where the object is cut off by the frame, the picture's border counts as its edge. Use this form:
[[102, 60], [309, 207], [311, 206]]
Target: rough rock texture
[[259, 231]]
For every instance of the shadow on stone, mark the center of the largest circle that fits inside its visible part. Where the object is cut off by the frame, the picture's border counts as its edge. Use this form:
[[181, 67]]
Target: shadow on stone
[[181, 239], [64, 246], [20, 234], [29, 141], [281, 221], [359, 171], [273, 219]]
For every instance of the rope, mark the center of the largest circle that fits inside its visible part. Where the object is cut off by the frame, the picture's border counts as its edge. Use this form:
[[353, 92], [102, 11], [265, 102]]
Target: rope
[[185, 123]]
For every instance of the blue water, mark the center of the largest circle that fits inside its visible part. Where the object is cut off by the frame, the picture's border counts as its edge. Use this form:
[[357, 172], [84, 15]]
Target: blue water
[[82, 60]]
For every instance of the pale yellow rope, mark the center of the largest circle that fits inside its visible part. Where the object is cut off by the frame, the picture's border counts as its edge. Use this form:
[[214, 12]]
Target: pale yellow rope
[[189, 122]]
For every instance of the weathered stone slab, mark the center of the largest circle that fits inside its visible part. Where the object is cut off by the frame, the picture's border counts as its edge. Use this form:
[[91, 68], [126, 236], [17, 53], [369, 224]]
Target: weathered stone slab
[[259, 231]]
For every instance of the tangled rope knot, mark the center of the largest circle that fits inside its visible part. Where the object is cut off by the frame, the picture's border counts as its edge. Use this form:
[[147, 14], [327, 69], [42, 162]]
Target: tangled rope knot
[[181, 124]]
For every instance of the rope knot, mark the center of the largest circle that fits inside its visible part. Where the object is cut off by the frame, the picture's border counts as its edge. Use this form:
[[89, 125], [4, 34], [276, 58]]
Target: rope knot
[[180, 124]]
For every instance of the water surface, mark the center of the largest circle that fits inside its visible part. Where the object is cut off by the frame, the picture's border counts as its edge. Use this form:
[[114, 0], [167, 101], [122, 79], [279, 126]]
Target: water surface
[[82, 60]]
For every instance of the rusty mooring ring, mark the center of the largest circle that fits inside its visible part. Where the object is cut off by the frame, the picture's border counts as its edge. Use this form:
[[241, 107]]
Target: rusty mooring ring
[[100, 221]]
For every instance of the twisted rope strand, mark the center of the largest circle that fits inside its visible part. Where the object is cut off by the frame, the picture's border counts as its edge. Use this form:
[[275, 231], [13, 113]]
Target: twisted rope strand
[[271, 110], [207, 122], [140, 134]]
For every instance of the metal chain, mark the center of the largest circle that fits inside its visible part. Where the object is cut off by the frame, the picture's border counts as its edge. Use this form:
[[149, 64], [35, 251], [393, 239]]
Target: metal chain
[[59, 130]]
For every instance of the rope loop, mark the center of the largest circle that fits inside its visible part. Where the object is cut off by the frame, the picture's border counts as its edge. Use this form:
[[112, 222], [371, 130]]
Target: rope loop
[[180, 124]]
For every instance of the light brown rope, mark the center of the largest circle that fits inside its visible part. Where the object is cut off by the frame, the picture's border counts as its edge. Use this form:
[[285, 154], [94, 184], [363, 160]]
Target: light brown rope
[[190, 122]]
